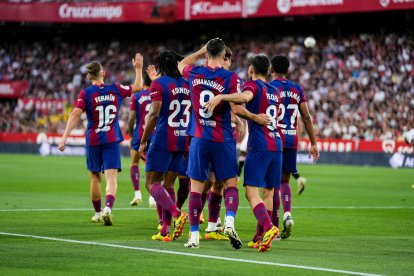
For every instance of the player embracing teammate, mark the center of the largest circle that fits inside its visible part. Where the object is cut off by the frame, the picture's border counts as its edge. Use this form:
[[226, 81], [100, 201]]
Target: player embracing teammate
[[212, 144], [264, 156]]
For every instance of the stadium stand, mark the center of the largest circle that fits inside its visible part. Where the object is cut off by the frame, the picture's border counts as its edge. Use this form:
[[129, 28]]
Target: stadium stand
[[359, 86]]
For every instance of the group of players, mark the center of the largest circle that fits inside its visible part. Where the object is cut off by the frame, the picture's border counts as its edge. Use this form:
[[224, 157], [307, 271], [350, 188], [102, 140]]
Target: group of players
[[183, 128]]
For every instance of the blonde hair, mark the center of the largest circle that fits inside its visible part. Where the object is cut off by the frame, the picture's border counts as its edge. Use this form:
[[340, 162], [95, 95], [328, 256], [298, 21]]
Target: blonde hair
[[93, 69]]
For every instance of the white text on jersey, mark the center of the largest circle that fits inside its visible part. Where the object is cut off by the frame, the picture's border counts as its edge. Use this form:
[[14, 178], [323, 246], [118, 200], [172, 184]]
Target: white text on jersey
[[180, 90], [143, 99], [290, 94], [210, 83], [105, 98]]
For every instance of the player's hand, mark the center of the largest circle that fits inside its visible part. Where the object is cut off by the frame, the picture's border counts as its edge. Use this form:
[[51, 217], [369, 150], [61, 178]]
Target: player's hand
[[211, 104], [152, 72], [314, 152], [142, 151], [138, 61], [241, 130], [61, 145], [262, 119]]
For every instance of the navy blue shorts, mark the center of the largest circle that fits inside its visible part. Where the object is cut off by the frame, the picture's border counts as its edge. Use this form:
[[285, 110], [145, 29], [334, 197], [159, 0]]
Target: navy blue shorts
[[166, 161], [206, 155], [263, 169], [103, 157], [135, 143], [289, 161]]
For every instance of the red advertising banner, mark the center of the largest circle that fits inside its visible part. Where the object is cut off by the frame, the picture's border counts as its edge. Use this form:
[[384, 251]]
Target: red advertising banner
[[44, 106], [85, 12], [216, 9], [13, 89], [50, 138], [325, 145], [338, 145]]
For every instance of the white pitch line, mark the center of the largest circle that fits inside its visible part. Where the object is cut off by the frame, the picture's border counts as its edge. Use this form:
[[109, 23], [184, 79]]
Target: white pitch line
[[240, 207], [191, 254]]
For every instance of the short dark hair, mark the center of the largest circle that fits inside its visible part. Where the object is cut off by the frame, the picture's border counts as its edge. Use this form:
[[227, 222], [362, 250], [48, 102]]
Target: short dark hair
[[167, 62], [146, 79], [280, 64], [229, 53], [260, 64], [93, 69], [215, 47]]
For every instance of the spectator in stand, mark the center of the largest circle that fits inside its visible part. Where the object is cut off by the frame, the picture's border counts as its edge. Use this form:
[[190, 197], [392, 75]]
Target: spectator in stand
[[359, 87]]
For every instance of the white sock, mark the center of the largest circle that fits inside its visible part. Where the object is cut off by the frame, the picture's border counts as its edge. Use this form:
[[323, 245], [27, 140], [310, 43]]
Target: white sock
[[107, 210], [98, 214], [211, 226], [286, 214], [229, 222], [195, 236], [218, 220], [138, 194]]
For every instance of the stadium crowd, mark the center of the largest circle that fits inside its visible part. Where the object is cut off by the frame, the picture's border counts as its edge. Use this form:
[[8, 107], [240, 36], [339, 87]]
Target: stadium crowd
[[358, 87]]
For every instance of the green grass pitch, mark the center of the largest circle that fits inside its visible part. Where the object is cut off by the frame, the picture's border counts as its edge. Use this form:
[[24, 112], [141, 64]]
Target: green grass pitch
[[353, 219]]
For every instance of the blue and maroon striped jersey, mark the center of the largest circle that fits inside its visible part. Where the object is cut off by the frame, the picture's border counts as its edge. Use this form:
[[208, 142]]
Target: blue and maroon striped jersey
[[102, 104], [175, 113], [140, 103], [265, 100], [205, 83], [291, 96]]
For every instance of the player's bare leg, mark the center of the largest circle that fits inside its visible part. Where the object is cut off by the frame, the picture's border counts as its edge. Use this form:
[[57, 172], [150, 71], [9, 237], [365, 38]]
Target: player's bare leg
[[194, 211], [111, 187], [135, 177], [261, 214], [231, 201], [286, 199], [96, 192], [163, 198]]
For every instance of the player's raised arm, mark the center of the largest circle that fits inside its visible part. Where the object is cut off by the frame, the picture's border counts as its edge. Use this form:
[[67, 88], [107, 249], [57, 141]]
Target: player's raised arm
[[152, 73], [307, 121], [72, 122], [191, 59], [138, 63]]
